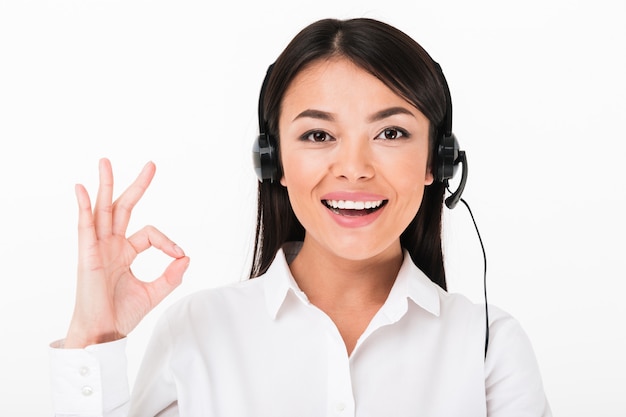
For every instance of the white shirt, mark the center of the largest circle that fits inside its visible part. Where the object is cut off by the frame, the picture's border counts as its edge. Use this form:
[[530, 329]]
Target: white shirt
[[260, 348]]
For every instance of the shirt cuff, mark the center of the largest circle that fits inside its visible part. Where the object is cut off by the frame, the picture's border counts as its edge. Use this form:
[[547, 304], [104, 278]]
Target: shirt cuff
[[89, 381]]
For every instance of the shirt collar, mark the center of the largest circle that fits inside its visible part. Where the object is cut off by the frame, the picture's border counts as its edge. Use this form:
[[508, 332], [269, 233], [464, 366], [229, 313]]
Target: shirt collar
[[279, 281], [411, 284]]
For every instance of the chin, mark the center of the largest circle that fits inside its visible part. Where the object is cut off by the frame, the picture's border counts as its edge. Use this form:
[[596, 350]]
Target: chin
[[360, 250]]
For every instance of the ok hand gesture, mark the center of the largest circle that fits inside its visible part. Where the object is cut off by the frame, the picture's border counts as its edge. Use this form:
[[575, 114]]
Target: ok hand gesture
[[110, 300]]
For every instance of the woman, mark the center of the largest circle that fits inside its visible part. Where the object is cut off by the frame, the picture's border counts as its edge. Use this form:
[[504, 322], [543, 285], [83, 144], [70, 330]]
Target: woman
[[347, 313]]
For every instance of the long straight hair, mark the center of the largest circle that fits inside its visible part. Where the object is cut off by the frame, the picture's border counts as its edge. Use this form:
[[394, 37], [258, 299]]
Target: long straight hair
[[403, 66]]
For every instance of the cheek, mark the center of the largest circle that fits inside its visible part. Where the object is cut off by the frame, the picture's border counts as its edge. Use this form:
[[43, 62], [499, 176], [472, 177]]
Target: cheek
[[302, 168], [300, 176], [301, 194], [291, 175], [411, 173]]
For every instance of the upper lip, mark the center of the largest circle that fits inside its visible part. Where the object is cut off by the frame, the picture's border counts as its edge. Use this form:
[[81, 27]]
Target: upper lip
[[353, 196]]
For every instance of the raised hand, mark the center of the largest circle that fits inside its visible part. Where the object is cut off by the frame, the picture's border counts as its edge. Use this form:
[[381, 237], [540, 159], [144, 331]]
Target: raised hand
[[110, 300]]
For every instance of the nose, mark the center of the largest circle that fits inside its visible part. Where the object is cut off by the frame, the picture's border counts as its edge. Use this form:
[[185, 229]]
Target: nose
[[352, 160]]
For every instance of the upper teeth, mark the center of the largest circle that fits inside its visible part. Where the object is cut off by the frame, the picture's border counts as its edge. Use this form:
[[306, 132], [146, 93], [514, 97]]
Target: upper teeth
[[353, 205]]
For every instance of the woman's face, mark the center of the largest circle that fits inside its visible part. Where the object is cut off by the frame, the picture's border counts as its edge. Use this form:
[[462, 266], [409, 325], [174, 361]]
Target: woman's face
[[354, 158]]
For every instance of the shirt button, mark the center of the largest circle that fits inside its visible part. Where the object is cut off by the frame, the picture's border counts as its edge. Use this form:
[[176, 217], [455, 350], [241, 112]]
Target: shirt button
[[87, 391], [340, 407], [84, 371]]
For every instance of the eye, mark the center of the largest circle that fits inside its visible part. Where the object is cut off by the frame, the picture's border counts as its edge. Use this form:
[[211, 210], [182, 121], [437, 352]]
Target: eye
[[392, 133], [317, 136]]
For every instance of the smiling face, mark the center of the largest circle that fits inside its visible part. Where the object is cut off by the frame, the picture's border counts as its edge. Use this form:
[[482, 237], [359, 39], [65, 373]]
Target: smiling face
[[354, 158]]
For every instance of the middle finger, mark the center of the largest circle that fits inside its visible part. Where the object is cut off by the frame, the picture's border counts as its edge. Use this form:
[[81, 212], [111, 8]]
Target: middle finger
[[103, 208], [124, 205]]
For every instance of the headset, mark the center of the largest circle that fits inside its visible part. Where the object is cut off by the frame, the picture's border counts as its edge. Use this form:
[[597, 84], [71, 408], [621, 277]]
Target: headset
[[449, 155]]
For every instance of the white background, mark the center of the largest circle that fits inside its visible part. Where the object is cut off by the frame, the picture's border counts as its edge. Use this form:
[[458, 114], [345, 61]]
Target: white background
[[539, 102]]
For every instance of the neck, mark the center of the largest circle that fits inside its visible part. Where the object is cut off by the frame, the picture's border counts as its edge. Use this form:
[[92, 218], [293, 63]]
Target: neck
[[331, 281]]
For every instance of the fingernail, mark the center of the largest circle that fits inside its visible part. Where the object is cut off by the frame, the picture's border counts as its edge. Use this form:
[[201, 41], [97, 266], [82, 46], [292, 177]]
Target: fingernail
[[178, 251]]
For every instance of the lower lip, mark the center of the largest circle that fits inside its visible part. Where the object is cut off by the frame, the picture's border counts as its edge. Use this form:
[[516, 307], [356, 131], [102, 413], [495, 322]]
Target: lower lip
[[355, 221]]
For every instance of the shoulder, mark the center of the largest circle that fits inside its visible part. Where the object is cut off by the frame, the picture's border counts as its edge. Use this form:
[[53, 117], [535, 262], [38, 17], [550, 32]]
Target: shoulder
[[506, 335], [220, 299], [507, 338], [217, 310], [457, 306], [502, 325], [512, 376], [513, 379]]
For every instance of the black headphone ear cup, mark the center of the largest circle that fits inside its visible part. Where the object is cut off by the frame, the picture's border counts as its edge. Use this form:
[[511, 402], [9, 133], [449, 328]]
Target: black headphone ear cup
[[447, 158], [265, 158], [265, 149]]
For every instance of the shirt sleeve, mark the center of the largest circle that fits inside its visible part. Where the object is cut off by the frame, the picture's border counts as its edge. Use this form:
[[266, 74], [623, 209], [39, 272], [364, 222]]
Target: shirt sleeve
[[155, 392], [91, 381], [512, 379]]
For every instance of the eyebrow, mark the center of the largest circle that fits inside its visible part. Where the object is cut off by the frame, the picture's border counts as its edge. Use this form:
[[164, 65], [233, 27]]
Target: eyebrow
[[392, 111], [316, 114], [329, 117]]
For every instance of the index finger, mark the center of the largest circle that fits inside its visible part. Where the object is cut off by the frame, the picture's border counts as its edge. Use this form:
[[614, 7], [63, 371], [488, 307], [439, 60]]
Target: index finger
[[123, 206]]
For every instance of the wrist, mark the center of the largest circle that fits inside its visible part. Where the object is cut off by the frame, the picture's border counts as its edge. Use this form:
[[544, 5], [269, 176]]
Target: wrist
[[78, 338]]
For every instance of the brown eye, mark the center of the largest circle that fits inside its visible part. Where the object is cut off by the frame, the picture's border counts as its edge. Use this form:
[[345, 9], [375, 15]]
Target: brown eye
[[392, 133], [317, 136]]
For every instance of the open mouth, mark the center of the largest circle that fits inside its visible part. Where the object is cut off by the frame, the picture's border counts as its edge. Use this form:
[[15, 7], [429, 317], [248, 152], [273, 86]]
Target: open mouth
[[354, 208]]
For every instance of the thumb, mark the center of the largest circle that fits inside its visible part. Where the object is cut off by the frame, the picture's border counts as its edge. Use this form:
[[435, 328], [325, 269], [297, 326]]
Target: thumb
[[168, 281]]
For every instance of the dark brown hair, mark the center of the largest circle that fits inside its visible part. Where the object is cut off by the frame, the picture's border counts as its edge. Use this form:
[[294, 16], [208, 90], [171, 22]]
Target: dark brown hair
[[401, 64]]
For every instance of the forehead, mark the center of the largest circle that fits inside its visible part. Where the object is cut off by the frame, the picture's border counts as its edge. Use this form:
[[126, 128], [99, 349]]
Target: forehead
[[339, 83]]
